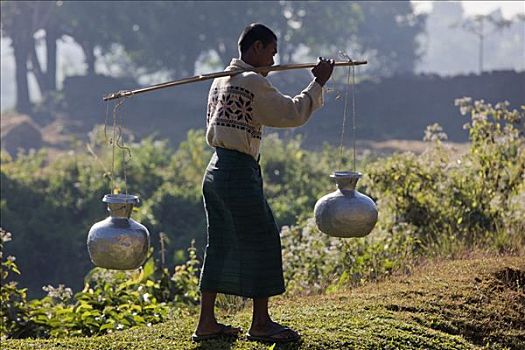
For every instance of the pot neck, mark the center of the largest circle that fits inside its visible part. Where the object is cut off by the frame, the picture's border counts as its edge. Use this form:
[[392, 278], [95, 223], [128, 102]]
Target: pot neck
[[346, 180], [120, 205], [120, 210]]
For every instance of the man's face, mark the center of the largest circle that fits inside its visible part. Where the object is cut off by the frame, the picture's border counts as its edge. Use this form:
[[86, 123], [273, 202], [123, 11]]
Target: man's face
[[266, 53]]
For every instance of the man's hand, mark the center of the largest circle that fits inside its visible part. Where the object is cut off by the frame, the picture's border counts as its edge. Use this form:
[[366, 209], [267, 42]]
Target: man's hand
[[323, 70]]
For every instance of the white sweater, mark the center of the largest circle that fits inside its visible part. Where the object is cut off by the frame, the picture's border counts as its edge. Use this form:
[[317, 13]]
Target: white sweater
[[239, 106]]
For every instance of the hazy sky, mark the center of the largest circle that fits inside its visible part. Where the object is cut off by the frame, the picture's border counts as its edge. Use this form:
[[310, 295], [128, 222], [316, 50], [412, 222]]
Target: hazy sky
[[509, 8]]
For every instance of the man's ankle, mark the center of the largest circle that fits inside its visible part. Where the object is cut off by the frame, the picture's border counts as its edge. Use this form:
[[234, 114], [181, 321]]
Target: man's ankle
[[207, 321], [261, 322]]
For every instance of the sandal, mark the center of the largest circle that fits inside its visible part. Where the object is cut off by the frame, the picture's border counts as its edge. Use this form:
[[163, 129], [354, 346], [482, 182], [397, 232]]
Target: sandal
[[225, 331], [273, 337]]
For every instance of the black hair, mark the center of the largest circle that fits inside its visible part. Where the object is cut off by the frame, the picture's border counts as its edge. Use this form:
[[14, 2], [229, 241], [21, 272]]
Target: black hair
[[254, 32]]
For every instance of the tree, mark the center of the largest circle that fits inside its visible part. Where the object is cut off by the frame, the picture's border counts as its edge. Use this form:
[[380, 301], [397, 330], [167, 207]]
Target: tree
[[172, 36], [483, 26], [388, 33], [183, 31], [320, 28], [99, 25], [93, 24], [19, 23]]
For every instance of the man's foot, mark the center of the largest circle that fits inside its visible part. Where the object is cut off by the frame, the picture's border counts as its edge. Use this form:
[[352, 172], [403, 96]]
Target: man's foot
[[272, 332], [215, 331]]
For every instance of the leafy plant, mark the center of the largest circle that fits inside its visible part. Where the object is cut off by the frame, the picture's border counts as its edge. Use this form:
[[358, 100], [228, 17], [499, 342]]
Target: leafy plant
[[437, 203], [13, 301], [111, 300]]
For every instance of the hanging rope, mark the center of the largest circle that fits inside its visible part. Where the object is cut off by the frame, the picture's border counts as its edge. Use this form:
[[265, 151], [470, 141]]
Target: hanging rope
[[341, 146], [116, 141], [125, 150], [351, 69], [354, 126]]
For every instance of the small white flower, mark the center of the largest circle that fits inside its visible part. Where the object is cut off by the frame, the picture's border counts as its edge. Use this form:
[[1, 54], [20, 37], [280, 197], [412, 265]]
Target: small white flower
[[145, 297]]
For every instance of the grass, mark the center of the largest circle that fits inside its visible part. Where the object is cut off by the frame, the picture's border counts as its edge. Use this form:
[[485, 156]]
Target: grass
[[474, 303]]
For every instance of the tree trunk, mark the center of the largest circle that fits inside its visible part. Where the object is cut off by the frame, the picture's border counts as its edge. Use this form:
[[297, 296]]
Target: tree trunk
[[51, 61], [89, 53], [21, 53], [37, 70]]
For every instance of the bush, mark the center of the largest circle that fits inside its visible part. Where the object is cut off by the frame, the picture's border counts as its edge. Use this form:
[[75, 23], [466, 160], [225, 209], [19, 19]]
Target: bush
[[13, 301], [314, 262], [53, 203], [111, 300], [437, 203], [295, 178], [448, 197]]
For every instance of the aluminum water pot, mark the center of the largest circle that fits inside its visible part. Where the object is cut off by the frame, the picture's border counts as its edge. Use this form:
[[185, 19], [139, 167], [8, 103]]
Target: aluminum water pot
[[118, 242], [345, 212]]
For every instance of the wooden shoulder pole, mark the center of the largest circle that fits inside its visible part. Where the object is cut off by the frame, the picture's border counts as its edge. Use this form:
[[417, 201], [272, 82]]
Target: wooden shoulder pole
[[202, 77]]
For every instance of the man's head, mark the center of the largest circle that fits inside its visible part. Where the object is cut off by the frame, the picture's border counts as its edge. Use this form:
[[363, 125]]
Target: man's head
[[258, 45]]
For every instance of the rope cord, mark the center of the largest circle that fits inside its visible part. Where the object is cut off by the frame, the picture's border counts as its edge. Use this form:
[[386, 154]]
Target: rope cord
[[107, 142], [116, 141], [120, 145], [349, 82], [344, 121], [354, 126], [112, 142]]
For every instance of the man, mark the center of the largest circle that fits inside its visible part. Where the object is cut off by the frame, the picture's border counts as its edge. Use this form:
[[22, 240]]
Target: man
[[243, 255]]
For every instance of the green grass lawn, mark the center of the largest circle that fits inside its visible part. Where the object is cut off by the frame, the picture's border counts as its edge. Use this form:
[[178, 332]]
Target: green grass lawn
[[464, 304]]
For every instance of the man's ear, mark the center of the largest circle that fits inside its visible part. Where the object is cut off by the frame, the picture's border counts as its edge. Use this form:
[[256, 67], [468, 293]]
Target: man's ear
[[258, 46]]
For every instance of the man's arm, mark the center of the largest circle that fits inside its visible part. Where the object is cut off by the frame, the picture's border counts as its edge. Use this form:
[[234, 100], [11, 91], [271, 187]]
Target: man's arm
[[281, 111], [277, 110]]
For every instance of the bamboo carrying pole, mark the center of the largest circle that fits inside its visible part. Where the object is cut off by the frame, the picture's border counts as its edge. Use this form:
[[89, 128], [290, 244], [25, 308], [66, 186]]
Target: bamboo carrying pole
[[202, 77]]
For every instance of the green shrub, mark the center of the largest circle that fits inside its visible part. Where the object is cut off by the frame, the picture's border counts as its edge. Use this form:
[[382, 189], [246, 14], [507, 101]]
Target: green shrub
[[111, 300], [468, 198], [295, 178], [314, 262], [436, 203], [13, 301], [52, 203]]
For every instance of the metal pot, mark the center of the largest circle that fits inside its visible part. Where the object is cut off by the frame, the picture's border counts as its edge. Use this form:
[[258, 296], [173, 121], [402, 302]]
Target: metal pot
[[118, 242], [345, 212]]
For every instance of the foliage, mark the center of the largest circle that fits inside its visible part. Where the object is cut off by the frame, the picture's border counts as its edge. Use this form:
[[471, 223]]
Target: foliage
[[460, 305], [65, 200], [126, 36], [110, 300], [186, 281], [13, 301], [472, 198], [50, 208], [437, 203], [314, 262], [293, 177]]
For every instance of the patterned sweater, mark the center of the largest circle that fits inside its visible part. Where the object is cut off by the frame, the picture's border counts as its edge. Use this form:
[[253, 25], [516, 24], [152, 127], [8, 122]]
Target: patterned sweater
[[239, 106]]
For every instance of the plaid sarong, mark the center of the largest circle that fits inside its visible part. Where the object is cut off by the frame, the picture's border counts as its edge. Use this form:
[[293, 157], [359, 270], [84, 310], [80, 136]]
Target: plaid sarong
[[243, 254]]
